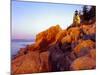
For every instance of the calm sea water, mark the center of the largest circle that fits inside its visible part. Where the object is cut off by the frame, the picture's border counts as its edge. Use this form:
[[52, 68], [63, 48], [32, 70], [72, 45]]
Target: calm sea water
[[16, 45]]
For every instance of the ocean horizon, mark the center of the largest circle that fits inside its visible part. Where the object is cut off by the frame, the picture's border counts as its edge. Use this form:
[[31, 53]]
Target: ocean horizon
[[16, 44]]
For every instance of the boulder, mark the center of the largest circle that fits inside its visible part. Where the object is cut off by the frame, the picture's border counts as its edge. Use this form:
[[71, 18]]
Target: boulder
[[89, 37], [89, 29], [58, 50], [25, 64], [92, 54], [66, 39], [84, 45], [22, 51], [32, 62], [74, 33], [41, 35], [52, 32], [30, 47], [44, 61], [83, 63], [92, 30], [41, 44], [59, 56], [60, 35], [43, 39]]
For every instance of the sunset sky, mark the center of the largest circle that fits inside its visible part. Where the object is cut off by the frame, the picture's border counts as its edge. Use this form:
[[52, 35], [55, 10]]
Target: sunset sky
[[30, 18]]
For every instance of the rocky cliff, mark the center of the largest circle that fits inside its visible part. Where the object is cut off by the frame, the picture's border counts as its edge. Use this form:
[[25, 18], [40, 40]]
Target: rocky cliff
[[56, 49]]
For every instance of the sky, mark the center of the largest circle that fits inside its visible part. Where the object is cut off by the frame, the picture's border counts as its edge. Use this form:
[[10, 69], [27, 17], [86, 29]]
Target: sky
[[30, 18]]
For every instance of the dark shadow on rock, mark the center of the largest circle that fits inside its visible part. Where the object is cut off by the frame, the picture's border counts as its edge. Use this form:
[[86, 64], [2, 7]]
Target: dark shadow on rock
[[59, 57]]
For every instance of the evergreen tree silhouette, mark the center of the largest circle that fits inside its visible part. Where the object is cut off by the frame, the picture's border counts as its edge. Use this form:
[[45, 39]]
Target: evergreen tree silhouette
[[85, 13], [92, 12]]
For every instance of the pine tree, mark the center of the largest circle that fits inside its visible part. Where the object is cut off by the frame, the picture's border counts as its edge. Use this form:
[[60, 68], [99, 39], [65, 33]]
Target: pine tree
[[92, 12], [85, 13]]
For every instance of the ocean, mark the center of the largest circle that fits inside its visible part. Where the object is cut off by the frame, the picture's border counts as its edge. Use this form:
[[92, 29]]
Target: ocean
[[17, 44]]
